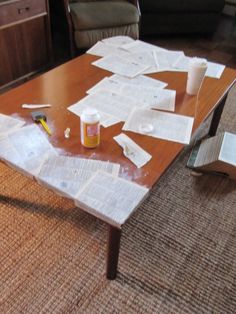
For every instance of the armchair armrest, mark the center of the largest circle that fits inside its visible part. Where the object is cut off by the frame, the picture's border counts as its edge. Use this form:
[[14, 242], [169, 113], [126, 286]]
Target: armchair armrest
[[136, 3]]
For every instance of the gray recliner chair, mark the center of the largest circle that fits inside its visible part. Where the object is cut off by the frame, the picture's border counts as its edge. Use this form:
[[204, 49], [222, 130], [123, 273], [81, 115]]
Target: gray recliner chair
[[92, 20]]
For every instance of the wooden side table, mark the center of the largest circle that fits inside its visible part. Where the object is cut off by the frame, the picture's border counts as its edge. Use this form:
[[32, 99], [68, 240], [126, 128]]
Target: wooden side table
[[25, 39]]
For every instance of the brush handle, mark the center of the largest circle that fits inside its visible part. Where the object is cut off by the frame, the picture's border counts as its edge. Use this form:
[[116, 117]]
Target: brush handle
[[45, 126]]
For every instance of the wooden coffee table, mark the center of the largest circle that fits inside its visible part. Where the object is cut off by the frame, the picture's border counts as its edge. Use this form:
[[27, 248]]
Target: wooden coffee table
[[68, 83]]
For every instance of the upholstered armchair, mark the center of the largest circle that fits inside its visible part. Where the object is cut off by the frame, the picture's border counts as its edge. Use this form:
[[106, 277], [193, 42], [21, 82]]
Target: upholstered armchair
[[92, 20]]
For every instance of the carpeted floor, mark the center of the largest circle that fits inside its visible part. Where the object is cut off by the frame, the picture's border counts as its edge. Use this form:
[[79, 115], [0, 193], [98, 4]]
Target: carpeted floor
[[178, 251]]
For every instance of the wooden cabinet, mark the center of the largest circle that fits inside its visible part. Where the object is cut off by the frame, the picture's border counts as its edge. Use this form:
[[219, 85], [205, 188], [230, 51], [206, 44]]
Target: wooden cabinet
[[25, 39]]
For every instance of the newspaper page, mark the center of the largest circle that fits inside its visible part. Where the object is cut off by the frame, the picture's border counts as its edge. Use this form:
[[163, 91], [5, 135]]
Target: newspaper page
[[110, 198], [133, 151], [26, 149], [9, 124], [107, 103], [66, 175], [163, 125], [120, 65], [102, 49]]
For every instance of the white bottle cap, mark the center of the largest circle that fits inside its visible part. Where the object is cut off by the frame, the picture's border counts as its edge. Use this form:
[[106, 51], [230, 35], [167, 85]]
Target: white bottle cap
[[90, 115]]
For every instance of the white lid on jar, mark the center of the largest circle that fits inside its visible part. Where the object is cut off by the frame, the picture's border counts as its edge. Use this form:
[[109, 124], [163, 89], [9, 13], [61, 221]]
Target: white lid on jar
[[90, 115]]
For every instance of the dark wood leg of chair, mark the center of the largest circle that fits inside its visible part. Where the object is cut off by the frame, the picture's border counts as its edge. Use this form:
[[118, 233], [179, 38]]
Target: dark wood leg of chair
[[113, 248], [216, 117]]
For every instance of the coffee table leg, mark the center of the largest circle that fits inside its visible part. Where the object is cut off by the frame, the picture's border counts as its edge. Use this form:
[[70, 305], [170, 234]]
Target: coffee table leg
[[113, 248], [216, 116]]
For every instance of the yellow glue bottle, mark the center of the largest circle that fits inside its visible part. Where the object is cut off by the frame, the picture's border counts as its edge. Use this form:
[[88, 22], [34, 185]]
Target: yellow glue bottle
[[90, 128]]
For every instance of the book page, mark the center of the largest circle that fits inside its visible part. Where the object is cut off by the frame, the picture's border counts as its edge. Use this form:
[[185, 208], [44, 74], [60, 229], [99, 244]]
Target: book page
[[209, 150], [132, 151], [181, 64], [120, 65], [140, 46], [118, 41], [163, 125], [106, 103], [106, 84], [115, 83], [150, 97], [142, 80], [146, 58], [165, 59], [214, 70], [110, 198], [102, 49], [26, 149], [67, 174], [143, 96], [9, 124], [106, 120], [228, 149]]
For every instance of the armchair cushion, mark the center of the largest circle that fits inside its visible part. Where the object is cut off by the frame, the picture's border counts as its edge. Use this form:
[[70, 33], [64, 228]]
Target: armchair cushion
[[111, 14]]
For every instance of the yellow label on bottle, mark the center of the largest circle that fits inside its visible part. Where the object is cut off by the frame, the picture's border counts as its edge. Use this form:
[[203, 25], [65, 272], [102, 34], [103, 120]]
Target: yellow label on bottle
[[90, 134]]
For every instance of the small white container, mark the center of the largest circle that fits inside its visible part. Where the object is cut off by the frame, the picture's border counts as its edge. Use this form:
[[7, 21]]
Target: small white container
[[90, 128]]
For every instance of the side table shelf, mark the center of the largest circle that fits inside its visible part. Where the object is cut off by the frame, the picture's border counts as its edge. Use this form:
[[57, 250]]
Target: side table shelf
[[25, 39]]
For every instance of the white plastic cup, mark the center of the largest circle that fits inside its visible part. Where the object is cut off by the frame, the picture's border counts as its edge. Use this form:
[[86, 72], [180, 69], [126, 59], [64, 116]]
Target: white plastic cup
[[196, 72]]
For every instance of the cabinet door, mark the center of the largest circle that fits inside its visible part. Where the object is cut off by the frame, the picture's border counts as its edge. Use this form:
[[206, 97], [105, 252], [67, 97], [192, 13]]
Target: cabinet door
[[25, 39], [23, 49]]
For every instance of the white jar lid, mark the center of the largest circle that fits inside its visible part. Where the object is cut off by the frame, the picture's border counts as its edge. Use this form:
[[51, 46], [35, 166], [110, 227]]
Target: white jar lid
[[90, 115]]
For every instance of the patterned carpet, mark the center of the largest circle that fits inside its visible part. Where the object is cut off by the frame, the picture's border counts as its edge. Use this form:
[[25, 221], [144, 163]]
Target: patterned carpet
[[178, 251]]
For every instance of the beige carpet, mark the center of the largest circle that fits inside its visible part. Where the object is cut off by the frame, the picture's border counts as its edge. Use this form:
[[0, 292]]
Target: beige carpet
[[178, 251]]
